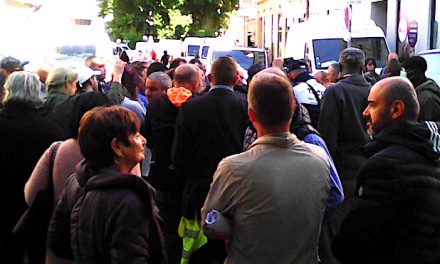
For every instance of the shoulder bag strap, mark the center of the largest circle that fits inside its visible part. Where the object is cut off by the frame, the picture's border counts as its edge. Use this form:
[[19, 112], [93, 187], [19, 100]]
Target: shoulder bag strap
[[314, 93]]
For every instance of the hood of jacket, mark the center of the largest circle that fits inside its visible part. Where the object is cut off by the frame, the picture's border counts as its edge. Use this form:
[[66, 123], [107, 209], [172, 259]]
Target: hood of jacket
[[422, 138], [107, 178], [178, 96], [429, 85]]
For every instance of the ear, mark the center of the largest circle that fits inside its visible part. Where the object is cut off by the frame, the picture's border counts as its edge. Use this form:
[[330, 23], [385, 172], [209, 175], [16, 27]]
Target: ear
[[294, 106], [210, 78], [237, 78], [397, 110], [251, 115], [116, 147]]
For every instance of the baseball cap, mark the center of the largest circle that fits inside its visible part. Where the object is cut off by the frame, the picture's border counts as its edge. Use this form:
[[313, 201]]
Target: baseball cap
[[12, 64], [296, 65], [85, 73]]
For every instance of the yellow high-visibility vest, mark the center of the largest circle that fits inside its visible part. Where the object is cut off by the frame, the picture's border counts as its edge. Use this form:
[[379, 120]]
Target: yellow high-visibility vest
[[193, 237]]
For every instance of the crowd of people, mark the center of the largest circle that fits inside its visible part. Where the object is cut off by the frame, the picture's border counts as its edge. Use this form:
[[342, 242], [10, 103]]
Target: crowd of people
[[167, 164]]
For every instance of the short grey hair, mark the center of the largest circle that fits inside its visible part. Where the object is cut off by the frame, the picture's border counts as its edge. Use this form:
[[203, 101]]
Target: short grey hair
[[162, 78], [353, 59], [23, 86], [59, 77]]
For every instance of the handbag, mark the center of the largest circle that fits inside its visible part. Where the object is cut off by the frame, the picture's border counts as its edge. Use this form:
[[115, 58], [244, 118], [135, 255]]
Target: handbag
[[33, 224]]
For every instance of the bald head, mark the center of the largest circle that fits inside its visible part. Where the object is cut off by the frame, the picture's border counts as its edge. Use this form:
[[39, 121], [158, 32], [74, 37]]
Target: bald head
[[187, 76], [277, 63], [398, 88]]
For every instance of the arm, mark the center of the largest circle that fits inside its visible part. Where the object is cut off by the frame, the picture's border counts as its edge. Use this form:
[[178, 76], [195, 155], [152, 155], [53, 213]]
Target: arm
[[131, 239], [182, 150], [328, 125], [336, 196], [220, 198], [117, 90], [39, 179], [365, 231]]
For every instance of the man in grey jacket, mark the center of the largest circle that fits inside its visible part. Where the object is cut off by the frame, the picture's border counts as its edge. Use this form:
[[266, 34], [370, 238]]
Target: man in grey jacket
[[275, 193]]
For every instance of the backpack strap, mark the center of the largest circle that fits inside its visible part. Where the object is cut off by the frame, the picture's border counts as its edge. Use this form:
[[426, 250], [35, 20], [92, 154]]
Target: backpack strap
[[314, 93]]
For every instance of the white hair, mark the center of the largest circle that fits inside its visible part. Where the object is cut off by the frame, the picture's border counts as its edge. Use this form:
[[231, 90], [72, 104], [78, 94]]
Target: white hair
[[23, 86]]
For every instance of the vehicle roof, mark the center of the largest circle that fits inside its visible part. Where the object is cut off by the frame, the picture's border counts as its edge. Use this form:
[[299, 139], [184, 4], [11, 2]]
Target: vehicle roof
[[236, 48], [426, 52]]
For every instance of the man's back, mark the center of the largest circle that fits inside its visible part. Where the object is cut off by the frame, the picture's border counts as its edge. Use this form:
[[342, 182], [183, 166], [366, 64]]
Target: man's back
[[341, 123], [208, 129], [276, 212]]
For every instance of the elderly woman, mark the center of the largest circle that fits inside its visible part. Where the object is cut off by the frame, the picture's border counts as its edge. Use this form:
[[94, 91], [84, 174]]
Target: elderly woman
[[106, 214], [60, 83], [24, 136]]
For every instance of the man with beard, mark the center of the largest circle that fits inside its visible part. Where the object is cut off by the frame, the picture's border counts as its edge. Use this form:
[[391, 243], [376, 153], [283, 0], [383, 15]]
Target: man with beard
[[428, 92], [396, 219]]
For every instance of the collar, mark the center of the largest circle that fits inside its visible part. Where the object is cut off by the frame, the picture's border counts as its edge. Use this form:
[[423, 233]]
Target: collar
[[279, 140], [223, 87]]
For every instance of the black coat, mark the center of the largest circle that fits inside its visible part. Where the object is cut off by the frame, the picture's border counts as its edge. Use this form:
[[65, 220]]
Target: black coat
[[397, 219], [24, 136], [428, 94], [159, 125], [342, 125], [106, 217], [208, 129]]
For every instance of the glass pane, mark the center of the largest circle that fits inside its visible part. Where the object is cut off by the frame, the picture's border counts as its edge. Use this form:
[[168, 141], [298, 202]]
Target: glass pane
[[327, 51], [244, 58], [193, 50], [374, 48], [205, 50]]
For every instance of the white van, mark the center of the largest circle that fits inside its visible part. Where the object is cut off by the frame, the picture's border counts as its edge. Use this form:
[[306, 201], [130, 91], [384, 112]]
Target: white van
[[321, 40]]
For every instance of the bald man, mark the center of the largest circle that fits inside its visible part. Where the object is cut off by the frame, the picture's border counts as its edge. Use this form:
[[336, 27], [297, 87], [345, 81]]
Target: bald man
[[397, 218], [160, 122]]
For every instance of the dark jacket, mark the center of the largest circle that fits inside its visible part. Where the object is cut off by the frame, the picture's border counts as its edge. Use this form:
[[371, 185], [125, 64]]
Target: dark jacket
[[59, 106], [397, 219], [342, 125], [24, 136], [428, 94], [106, 217], [208, 129], [159, 124]]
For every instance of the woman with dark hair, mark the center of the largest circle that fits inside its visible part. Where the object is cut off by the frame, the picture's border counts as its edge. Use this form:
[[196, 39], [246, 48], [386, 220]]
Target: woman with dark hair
[[370, 71], [24, 136], [106, 214]]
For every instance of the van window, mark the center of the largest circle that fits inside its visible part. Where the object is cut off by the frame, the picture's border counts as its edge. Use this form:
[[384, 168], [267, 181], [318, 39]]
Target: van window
[[205, 50], [373, 47], [245, 58], [193, 50], [327, 50], [80, 51]]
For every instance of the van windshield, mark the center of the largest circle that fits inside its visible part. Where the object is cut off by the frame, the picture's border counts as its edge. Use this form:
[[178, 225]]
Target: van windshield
[[327, 51], [76, 51], [193, 50], [245, 58], [374, 48]]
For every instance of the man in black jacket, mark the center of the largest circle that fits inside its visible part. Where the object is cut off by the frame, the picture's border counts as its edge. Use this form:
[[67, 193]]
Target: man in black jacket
[[159, 123], [208, 129], [344, 130], [397, 218], [428, 92]]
